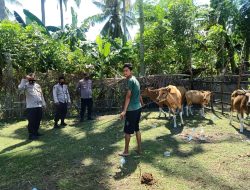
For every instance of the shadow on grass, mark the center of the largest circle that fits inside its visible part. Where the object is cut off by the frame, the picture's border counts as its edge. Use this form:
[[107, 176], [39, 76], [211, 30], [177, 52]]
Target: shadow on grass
[[10, 148], [82, 160], [53, 163], [246, 132]]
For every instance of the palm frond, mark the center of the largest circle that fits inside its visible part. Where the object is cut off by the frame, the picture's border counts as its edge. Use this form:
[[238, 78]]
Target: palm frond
[[53, 28], [19, 19], [99, 5], [31, 17], [99, 18]]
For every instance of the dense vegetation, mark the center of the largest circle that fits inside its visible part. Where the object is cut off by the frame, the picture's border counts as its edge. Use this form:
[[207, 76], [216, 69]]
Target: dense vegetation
[[175, 35]]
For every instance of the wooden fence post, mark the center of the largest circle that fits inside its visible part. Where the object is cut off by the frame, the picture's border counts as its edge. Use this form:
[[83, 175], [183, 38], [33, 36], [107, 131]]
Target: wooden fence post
[[222, 95], [211, 89]]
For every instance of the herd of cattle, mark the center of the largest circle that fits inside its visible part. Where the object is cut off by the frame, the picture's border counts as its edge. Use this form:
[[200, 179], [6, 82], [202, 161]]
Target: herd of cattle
[[175, 97]]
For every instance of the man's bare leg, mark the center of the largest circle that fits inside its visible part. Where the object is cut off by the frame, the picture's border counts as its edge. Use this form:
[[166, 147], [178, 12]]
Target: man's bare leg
[[127, 140], [138, 139]]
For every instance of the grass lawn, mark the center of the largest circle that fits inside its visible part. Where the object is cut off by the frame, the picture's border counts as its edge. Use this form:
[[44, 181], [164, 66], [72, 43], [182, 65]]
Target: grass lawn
[[85, 156]]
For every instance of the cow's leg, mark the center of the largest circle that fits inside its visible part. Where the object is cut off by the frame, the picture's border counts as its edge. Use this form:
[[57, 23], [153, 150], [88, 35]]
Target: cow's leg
[[174, 117], [160, 110], [202, 112], [190, 110], [231, 117], [181, 118], [169, 113], [241, 122], [187, 111]]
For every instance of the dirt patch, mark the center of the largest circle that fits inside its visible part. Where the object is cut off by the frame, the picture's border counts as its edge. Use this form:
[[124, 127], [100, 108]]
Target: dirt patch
[[147, 178], [196, 138], [209, 138]]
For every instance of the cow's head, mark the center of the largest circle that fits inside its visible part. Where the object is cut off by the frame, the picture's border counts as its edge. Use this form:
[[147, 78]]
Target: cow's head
[[247, 94], [206, 97], [163, 93], [248, 98]]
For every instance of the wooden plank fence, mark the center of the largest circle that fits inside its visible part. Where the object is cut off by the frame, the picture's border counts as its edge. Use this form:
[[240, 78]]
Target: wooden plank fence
[[109, 93]]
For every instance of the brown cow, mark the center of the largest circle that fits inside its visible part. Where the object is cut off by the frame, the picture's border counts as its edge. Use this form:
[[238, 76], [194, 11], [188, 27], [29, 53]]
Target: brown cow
[[153, 94], [171, 96], [240, 102], [183, 93], [197, 97]]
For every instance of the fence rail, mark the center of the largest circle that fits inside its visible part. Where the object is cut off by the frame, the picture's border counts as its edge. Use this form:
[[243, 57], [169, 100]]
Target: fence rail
[[109, 93]]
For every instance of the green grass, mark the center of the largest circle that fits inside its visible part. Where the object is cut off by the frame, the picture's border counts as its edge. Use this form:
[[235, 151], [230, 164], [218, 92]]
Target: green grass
[[85, 156]]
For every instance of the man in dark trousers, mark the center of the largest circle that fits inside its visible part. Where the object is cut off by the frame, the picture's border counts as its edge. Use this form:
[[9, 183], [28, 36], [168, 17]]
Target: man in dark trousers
[[132, 110], [84, 88], [62, 100], [34, 103]]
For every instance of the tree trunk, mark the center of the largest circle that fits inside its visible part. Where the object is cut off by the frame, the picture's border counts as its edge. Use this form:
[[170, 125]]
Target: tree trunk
[[43, 11], [2, 10], [141, 22], [124, 21], [61, 13], [231, 58], [246, 56]]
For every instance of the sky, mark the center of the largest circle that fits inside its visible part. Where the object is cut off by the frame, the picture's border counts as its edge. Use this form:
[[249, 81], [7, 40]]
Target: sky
[[86, 9]]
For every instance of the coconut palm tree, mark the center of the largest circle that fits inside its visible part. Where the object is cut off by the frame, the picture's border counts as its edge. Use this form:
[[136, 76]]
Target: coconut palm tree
[[111, 13], [125, 6], [61, 2], [43, 11], [141, 23], [244, 26]]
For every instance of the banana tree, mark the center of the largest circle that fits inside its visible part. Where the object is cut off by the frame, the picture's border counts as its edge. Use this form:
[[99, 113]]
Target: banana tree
[[32, 18]]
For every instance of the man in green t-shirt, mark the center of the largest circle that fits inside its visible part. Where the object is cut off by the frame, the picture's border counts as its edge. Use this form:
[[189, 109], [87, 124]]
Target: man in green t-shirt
[[132, 110]]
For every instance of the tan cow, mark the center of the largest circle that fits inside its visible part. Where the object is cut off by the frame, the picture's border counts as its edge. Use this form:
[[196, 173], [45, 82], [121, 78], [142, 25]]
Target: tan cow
[[240, 102], [183, 93], [171, 97], [153, 94], [197, 97]]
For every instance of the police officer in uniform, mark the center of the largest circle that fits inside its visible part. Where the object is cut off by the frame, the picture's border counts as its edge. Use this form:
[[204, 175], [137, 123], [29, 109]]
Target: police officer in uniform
[[84, 88], [34, 103], [62, 100]]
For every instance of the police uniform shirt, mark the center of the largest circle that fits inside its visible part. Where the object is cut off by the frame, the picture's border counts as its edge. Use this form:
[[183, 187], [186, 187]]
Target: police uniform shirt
[[85, 88], [61, 93], [33, 92]]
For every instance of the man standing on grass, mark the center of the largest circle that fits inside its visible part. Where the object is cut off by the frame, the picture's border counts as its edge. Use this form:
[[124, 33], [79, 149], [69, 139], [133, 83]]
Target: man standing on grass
[[34, 103], [62, 100], [132, 110], [84, 88]]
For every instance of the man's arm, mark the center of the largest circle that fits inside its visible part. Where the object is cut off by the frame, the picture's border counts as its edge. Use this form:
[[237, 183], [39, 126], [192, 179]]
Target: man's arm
[[127, 100], [43, 100], [22, 85], [55, 95], [141, 100], [69, 101]]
